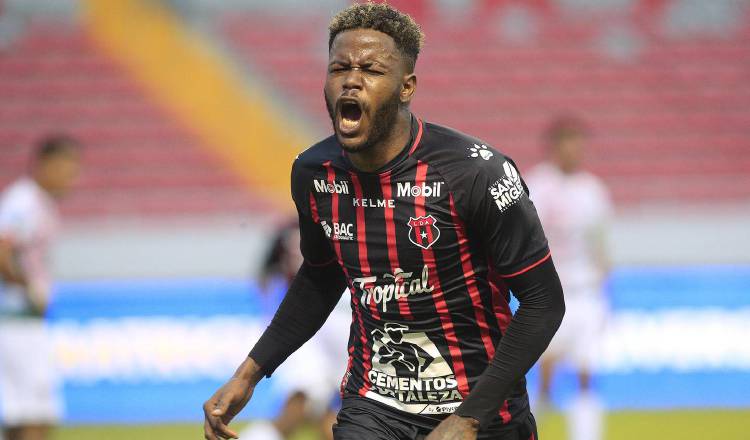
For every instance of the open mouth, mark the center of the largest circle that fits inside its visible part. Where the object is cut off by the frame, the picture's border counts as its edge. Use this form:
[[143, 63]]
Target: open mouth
[[350, 117]]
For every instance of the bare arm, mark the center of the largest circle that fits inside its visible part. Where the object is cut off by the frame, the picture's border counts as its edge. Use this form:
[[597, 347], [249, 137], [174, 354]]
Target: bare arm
[[10, 271]]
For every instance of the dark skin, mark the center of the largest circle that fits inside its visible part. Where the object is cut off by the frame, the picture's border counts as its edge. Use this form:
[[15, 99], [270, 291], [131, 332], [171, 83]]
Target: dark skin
[[366, 69], [229, 400], [369, 86], [567, 153]]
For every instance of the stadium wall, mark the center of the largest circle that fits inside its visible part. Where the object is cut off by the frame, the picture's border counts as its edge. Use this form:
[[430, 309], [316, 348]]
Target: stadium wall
[[146, 351]]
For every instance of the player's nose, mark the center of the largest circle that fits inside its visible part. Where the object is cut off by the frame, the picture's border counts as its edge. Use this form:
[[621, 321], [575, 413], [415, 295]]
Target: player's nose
[[353, 80]]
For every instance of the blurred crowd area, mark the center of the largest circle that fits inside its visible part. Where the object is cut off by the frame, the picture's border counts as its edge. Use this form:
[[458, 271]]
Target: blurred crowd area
[[189, 113], [662, 84]]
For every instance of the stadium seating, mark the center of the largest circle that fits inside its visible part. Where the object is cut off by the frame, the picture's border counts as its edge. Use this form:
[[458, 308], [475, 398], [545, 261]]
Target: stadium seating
[[139, 162], [665, 88]]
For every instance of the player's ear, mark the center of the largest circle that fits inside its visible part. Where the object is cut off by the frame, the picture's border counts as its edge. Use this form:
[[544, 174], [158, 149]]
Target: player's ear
[[408, 87]]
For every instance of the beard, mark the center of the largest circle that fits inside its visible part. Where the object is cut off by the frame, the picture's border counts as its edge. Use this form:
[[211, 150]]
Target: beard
[[381, 125]]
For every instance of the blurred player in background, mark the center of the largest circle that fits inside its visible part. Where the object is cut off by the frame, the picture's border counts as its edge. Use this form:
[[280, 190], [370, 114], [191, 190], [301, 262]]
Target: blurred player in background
[[574, 207], [29, 223], [310, 396]]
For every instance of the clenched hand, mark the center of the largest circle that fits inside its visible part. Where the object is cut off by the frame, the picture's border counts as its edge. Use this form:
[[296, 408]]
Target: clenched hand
[[455, 428], [228, 400]]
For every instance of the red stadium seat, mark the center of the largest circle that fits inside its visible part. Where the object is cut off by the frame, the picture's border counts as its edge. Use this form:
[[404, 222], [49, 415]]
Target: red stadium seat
[[139, 162], [671, 123]]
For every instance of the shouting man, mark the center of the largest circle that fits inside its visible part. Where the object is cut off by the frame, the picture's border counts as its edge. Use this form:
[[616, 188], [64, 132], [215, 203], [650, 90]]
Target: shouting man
[[429, 228]]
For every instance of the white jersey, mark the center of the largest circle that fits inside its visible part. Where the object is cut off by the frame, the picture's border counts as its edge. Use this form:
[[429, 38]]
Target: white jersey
[[29, 391], [572, 208], [261, 430], [29, 220]]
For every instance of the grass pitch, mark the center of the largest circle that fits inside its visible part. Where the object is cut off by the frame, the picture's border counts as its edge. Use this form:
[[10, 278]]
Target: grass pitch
[[625, 425]]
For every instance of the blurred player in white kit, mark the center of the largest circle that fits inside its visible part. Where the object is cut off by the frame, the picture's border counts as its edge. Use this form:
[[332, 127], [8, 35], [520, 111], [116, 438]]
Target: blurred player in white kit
[[575, 208], [311, 391], [30, 400]]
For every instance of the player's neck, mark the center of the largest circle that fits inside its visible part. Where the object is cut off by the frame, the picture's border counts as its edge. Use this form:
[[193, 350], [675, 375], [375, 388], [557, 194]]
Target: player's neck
[[566, 169], [43, 183], [383, 152]]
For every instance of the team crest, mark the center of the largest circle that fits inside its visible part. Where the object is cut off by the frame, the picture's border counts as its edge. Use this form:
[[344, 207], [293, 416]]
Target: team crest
[[423, 232]]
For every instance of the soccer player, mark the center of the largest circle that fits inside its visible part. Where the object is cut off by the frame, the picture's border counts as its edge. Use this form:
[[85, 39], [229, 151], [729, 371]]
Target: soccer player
[[29, 394], [428, 227], [574, 207]]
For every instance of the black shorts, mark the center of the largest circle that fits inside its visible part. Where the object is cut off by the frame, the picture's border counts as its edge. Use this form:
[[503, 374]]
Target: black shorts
[[363, 419]]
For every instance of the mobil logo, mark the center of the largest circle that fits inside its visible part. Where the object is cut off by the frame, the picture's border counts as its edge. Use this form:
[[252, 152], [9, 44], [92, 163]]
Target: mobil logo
[[407, 189], [341, 187]]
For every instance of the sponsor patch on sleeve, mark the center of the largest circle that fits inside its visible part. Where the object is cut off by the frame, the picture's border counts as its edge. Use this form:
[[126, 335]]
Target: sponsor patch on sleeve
[[508, 189]]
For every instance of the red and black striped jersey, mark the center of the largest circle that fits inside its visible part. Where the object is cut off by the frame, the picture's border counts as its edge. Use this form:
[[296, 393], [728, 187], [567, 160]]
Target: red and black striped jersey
[[425, 244]]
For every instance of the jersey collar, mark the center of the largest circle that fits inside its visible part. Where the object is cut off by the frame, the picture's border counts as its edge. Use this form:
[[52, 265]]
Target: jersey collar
[[417, 127]]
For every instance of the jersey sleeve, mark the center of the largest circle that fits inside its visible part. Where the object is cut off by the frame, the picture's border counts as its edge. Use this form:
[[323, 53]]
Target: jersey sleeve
[[502, 216], [316, 248]]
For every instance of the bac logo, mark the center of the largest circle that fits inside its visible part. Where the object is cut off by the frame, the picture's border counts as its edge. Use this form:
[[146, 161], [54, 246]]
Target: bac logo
[[423, 232], [343, 231], [338, 231], [327, 229]]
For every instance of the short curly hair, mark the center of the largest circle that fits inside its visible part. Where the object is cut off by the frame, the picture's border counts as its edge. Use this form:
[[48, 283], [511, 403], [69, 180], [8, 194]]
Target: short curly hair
[[405, 32]]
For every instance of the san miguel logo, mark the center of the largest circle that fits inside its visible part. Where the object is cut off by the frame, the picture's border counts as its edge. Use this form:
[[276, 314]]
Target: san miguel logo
[[423, 232]]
